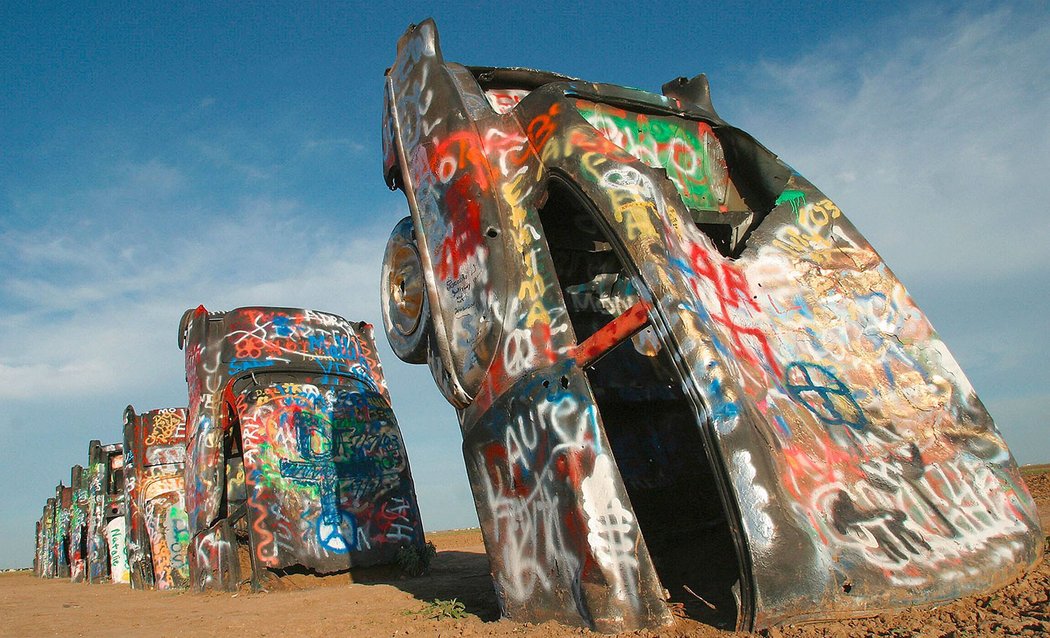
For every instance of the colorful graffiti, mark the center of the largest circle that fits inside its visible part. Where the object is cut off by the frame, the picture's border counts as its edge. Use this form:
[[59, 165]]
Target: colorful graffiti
[[63, 520], [837, 434], [554, 520], [105, 504], [117, 549], [158, 526], [78, 521], [291, 425]]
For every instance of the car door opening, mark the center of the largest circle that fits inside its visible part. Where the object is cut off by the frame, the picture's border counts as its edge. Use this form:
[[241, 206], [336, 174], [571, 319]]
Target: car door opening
[[650, 423]]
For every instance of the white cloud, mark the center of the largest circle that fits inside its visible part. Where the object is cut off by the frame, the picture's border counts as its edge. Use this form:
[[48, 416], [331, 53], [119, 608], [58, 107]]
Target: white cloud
[[84, 318], [326, 144], [935, 143]]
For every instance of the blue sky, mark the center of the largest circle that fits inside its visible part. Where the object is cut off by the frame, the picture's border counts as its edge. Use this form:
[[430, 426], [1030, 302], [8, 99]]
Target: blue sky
[[153, 158]]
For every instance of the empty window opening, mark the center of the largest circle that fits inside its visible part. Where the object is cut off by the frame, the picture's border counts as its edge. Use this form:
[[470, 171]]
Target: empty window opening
[[650, 423]]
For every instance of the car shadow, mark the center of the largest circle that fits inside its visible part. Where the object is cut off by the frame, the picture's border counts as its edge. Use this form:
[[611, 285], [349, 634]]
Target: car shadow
[[460, 575]]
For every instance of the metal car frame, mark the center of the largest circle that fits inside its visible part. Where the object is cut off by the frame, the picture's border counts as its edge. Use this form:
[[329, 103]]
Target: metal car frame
[[78, 518], [293, 450], [46, 563], [154, 486], [107, 555], [676, 363], [63, 514]]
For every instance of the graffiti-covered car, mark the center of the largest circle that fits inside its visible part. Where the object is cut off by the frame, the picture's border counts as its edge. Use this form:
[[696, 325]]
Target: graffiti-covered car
[[107, 555], [155, 508], [78, 519], [38, 562], [676, 363], [45, 559], [63, 514], [292, 449]]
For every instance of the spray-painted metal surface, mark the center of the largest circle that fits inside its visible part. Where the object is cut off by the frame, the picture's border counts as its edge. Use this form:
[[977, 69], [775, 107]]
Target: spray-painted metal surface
[[78, 520], [292, 446], [46, 562], [158, 528], [37, 563], [63, 513], [765, 418], [107, 555], [140, 563]]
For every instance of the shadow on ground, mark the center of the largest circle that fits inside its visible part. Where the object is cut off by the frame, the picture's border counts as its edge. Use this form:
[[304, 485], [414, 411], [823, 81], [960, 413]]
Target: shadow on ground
[[453, 574]]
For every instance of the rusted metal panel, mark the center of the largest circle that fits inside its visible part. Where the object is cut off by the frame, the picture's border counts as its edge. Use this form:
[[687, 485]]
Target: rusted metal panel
[[788, 409], [158, 527], [292, 445]]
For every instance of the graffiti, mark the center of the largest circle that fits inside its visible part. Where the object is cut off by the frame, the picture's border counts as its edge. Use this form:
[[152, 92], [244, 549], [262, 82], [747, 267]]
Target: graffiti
[[523, 499], [689, 152], [115, 537], [611, 528], [78, 525], [326, 443], [835, 429], [158, 526], [795, 198], [213, 559], [292, 419], [169, 427], [821, 392]]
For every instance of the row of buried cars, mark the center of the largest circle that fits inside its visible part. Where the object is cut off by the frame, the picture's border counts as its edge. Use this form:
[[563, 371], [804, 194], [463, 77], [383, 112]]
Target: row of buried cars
[[288, 457], [684, 380]]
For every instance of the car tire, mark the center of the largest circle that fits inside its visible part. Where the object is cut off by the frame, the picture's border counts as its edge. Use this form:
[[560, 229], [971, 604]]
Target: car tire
[[406, 309]]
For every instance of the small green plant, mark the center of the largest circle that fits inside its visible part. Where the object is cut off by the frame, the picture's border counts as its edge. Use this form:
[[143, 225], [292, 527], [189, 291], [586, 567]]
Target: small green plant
[[441, 609], [415, 560]]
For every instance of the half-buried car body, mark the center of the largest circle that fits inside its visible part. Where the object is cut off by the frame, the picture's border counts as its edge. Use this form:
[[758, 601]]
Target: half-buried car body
[[46, 563], [676, 363], [293, 449], [106, 551], [78, 536], [63, 515], [157, 525]]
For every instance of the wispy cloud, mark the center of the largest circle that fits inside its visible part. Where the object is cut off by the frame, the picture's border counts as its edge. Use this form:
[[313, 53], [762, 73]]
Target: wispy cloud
[[934, 140], [92, 309], [323, 144]]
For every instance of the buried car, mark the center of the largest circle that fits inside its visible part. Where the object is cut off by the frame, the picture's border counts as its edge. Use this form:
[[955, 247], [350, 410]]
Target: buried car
[[106, 551], [78, 524], [293, 450], [62, 519], [677, 365], [45, 560], [157, 525]]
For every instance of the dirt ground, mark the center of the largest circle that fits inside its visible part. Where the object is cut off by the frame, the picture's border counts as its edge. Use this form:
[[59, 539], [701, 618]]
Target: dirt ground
[[378, 603]]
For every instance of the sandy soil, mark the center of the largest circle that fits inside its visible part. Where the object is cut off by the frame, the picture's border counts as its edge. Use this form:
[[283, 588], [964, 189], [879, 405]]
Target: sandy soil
[[378, 603]]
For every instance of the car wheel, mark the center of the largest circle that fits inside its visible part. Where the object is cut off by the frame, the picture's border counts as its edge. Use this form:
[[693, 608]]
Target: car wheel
[[406, 310]]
